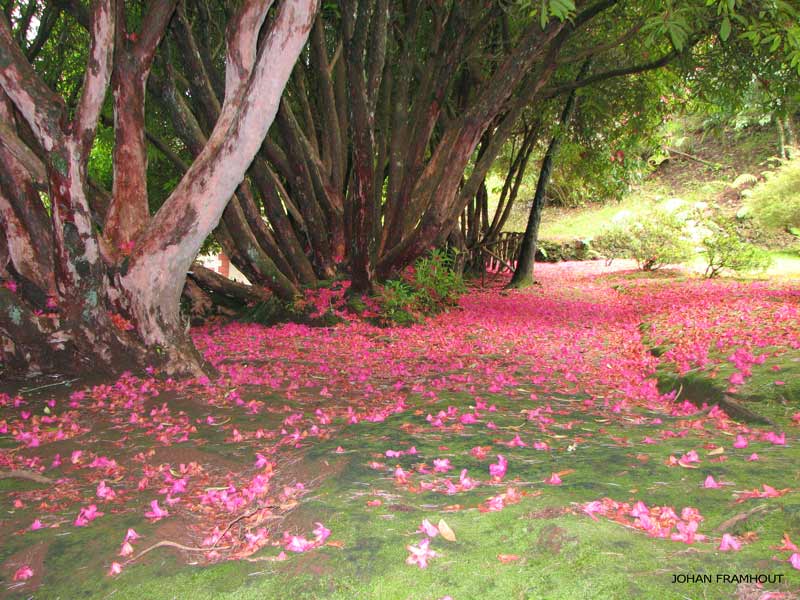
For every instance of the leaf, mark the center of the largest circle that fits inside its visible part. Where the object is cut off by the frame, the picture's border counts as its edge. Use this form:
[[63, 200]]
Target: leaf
[[508, 558], [715, 451], [725, 29], [445, 531]]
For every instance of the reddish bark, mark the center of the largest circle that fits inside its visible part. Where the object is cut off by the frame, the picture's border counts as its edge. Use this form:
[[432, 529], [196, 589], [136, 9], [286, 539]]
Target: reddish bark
[[123, 311]]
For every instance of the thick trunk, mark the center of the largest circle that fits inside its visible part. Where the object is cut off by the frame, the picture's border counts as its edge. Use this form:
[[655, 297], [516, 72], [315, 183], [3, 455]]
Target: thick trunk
[[361, 210], [128, 214], [124, 313]]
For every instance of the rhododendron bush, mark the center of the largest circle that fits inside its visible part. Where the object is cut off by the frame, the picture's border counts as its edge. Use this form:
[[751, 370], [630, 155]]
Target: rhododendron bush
[[508, 437]]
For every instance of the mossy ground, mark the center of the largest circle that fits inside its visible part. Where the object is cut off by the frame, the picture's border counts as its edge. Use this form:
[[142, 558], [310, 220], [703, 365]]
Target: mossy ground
[[544, 546], [562, 553]]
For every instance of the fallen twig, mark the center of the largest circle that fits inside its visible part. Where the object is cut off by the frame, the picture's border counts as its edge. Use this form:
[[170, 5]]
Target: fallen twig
[[170, 544], [30, 475], [727, 524]]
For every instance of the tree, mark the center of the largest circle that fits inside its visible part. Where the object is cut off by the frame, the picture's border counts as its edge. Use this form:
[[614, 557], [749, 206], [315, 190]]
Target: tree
[[113, 298], [523, 274]]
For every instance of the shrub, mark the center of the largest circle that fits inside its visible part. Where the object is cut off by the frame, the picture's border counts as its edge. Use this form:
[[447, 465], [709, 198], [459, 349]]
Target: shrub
[[397, 301], [656, 240], [775, 203], [429, 287], [614, 242], [725, 249], [436, 282]]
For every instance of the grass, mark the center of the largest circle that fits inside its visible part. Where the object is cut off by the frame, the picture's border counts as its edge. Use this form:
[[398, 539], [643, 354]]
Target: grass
[[560, 553]]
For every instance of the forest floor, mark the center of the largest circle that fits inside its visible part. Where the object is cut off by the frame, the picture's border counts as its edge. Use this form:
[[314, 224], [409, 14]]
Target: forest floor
[[322, 459]]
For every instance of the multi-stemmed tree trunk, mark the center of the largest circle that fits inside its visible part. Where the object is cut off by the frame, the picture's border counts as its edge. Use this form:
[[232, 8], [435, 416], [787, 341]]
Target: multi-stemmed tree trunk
[[111, 301], [364, 172]]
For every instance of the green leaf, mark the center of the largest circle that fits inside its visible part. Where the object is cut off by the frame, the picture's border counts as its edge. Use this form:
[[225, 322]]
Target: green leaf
[[725, 29]]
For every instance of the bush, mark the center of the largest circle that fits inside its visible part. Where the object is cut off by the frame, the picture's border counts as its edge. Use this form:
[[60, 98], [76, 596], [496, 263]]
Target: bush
[[429, 287], [725, 249], [656, 240], [397, 301], [775, 203]]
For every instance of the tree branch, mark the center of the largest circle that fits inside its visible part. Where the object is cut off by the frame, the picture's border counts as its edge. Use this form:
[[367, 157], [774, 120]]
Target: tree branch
[[97, 77]]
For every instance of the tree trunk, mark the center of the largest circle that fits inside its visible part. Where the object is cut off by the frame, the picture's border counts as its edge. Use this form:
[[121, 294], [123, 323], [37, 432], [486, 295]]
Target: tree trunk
[[122, 312], [523, 274]]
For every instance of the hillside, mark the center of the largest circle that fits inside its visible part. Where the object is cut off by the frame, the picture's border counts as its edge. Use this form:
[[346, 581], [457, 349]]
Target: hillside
[[700, 166]]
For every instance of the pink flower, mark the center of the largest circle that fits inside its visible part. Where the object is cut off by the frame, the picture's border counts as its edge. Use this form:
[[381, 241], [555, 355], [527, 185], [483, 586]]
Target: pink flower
[[752, 457], [736, 378], [295, 543], [466, 482], [23, 573], [741, 442], [541, 446], [126, 549], [104, 492], [321, 533], [441, 465], [419, 555], [517, 442], [590, 508], [115, 569], [794, 559], [729, 543], [640, 509], [428, 528], [495, 503], [156, 513], [87, 515], [131, 535], [686, 532], [468, 419], [554, 479], [778, 440], [710, 483], [498, 470], [478, 452], [37, 524], [400, 476], [689, 457]]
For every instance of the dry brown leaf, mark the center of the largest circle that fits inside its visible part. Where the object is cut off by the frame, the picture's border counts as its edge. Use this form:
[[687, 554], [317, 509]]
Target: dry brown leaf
[[445, 531]]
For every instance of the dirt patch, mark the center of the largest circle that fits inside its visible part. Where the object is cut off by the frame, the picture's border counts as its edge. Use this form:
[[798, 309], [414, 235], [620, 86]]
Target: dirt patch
[[551, 512], [752, 591], [33, 556], [552, 538], [184, 454], [314, 563]]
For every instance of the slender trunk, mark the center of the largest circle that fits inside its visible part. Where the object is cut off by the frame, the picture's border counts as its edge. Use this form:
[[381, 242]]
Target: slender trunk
[[523, 274]]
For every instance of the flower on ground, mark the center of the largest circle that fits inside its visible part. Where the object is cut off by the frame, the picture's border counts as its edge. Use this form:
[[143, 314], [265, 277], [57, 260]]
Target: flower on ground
[[420, 554]]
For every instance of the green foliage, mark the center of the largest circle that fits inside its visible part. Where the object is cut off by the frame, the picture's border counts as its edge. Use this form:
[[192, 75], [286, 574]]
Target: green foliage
[[437, 284], [726, 249], [657, 240], [614, 242], [429, 287], [397, 300], [775, 203]]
